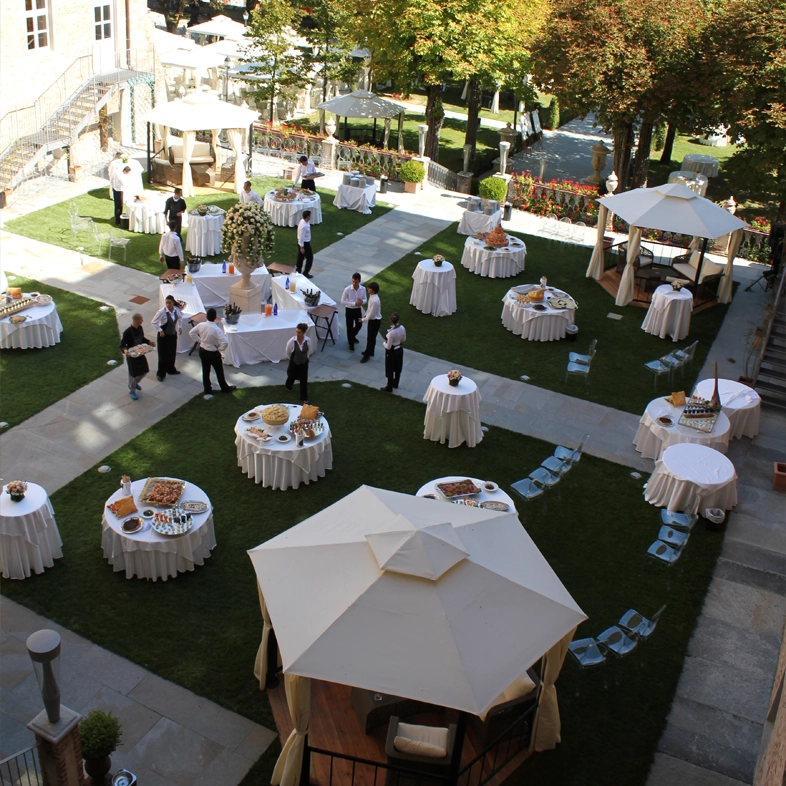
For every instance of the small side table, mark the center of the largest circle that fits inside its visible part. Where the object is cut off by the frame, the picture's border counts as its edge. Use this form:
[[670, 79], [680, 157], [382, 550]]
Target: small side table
[[323, 316]]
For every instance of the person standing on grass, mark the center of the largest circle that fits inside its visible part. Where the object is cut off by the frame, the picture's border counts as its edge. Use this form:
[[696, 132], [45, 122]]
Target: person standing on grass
[[352, 299], [394, 352], [248, 195], [137, 367], [170, 249], [118, 183], [304, 251], [168, 321], [298, 350], [173, 210], [212, 342], [372, 319], [308, 172]]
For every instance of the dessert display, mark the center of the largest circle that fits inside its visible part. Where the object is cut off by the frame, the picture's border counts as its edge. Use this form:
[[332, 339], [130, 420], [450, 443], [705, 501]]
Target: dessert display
[[457, 488], [306, 427], [275, 415], [697, 408], [497, 237], [125, 506], [17, 304], [162, 491]]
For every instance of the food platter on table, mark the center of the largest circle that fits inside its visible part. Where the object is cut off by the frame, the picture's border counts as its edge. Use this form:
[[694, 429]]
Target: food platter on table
[[275, 414], [665, 420], [17, 319], [42, 300], [250, 417], [457, 488], [490, 486], [259, 433], [148, 513], [164, 492], [473, 503], [283, 438], [164, 524], [492, 504], [194, 506], [539, 307], [430, 496], [132, 525]]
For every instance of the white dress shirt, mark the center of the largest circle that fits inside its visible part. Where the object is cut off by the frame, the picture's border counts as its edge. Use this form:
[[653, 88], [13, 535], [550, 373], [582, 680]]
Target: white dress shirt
[[395, 337], [291, 345], [251, 196], [374, 309], [303, 232], [170, 245], [118, 180], [307, 170], [159, 320], [350, 296], [210, 336]]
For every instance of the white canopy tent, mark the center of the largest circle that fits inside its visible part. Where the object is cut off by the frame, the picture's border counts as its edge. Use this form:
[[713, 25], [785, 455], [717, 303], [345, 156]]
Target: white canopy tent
[[221, 26], [361, 103], [402, 595], [167, 42]]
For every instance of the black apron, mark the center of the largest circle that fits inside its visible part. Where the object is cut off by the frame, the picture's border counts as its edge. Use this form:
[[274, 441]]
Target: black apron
[[138, 366]]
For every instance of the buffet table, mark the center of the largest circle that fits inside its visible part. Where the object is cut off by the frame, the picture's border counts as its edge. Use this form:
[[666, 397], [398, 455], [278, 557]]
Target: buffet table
[[497, 496], [282, 465], [148, 555], [547, 324], [41, 328], [147, 214], [739, 403], [360, 198], [189, 296], [684, 471], [257, 338], [204, 233], [473, 222], [287, 213], [669, 313], [287, 300], [494, 263], [698, 162], [652, 438], [213, 285], [452, 412], [29, 539], [434, 288]]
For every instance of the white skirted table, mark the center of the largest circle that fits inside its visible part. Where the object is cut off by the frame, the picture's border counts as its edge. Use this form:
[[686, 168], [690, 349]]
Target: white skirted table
[[29, 539], [652, 437], [695, 181], [282, 464], [188, 295], [147, 214], [147, 554], [452, 412], [496, 495], [259, 339], [741, 404], [494, 263], [687, 470], [698, 162], [542, 321], [287, 300], [204, 233], [669, 313], [434, 288], [287, 213], [41, 328], [473, 222], [360, 198], [213, 284]]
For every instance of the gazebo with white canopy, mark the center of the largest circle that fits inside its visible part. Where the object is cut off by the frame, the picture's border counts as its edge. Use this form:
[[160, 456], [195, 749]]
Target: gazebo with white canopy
[[221, 26], [670, 208], [388, 592], [199, 112]]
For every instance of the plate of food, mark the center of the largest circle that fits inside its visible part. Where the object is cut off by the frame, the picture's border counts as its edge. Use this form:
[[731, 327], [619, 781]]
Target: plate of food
[[457, 488], [539, 307], [275, 415], [472, 503], [17, 319], [194, 506], [258, 433], [665, 420], [132, 525], [164, 524], [42, 300], [283, 438], [490, 486], [430, 496], [494, 505], [250, 417], [162, 491], [148, 513]]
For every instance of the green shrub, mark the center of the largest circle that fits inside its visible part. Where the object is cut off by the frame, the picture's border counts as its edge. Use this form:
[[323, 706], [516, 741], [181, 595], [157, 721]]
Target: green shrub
[[552, 114], [659, 137], [99, 734], [412, 171], [493, 188]]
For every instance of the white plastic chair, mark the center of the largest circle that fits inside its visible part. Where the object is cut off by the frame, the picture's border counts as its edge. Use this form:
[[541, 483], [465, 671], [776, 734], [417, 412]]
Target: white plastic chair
[[550, 225], [577, 232], [100, 237], [117, 241], [564, 228]]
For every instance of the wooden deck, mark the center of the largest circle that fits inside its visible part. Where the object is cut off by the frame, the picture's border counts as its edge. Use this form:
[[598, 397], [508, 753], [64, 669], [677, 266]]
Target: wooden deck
[[610, 281]]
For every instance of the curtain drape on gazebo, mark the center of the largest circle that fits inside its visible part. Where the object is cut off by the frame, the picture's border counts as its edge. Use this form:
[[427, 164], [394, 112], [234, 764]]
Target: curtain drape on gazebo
[[290, 762], [162, 134], [546, 730], [595, 269], [216, 149], [627, 282], [735, 240], [260, 664], [189, 140], [235, 136]]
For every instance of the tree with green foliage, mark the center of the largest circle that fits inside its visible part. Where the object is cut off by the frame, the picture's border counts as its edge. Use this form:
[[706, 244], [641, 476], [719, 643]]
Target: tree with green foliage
[[174, 10], [552, 114]]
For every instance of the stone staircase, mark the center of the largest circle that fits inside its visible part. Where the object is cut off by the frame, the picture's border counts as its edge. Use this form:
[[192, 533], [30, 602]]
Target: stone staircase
[[771, 378]]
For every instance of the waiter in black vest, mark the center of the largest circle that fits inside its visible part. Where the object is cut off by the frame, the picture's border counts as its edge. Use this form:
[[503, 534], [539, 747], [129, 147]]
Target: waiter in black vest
[[168, 321], [298, 350], [173, 210]]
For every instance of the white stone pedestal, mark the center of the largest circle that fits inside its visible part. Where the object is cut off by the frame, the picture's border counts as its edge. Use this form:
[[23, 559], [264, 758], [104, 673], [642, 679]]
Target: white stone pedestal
[[250, 300]]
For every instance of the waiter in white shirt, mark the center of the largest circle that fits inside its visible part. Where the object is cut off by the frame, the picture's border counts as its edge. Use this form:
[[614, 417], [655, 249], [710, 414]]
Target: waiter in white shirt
[[298, 350], [168, 321], [115, 165], [372, 320], [170, 249], [394, 352], [118, 183], [353, 298], [247, 195], [304, 251], [212, 342], [307, 171]]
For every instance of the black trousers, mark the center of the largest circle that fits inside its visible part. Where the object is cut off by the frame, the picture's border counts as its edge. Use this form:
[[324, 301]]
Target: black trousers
[[306, 254], [118, 197], [372, 328], [394, 362], [167, 352], [309, 183], [301, 374], [172, 263], [354, 324], [212, 360]]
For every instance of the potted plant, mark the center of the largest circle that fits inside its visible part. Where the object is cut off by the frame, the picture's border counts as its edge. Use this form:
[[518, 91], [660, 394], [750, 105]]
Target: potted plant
[[248, 236], [412, 173], [16, 490], [438, 260], [99, 736], [232, 313], [454, 377], [493, 188]]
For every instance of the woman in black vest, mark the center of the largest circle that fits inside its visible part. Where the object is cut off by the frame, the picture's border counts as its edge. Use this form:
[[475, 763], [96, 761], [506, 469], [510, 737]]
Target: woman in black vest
[[298, 350], [137, 367]]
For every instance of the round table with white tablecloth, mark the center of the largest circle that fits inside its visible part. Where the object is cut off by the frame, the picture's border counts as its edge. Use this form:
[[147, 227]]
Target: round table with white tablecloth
[[698, 162], [204, 233], [288, 213], [257, 338], [473, 222], [535, 324], [494, 262], [29, 539], [147, 554], [360, 198], [741, 404], [452, 412], [282, 465], [695, 181], [41, 328], [686, 470], [146, 215], [669, 313], [188, 296], [434, 288], [213, 284], [652, 438], [485, 495]]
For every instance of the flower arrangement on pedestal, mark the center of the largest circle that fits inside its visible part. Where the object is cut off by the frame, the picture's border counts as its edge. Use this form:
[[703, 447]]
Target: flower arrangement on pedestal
[[248, 236], [16, 490], [454, 377]]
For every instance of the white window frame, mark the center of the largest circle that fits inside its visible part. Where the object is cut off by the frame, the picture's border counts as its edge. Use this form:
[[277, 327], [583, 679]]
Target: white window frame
[[104, 10], [34, 16]]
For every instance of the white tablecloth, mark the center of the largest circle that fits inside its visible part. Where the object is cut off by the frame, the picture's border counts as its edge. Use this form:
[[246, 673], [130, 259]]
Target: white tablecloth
[[188, 294], [685, 470], [485, 496], [473, 222], [289, 301], [42, 328], [257, 338], [669, 313], [533, 324], [357, 198], [698, 162], [283, 466], [741, 404], [148, 555], [434, 288], [29, 539], [652, 439], [204, 234], [287, 214], [695, 181], [213, 285], [494, 264], [148, 216], [452, 413]]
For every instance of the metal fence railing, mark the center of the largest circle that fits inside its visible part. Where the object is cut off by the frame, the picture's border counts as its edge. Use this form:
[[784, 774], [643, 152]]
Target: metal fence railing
[[22, 769]]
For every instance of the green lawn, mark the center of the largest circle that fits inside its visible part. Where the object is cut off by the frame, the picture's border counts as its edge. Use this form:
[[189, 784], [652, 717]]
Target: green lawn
[[474, 335], [33, 379], [202, 629], [52, 225]]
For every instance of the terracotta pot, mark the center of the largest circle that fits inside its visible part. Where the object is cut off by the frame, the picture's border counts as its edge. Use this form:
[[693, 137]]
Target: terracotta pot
[[97, 769], [410, 188]]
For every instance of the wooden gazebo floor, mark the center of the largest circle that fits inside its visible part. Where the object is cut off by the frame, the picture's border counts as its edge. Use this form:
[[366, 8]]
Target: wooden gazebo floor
[[610, 281]]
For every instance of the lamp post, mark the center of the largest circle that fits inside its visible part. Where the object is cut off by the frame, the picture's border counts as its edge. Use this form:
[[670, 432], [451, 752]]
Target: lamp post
[[43, 646], [227, 64], [245, 18], [612, 181]]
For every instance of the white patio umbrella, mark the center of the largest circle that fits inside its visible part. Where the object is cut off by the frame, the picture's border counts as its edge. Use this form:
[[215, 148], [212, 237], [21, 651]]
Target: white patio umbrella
[[361, 103], [220, 25], [167, 42]]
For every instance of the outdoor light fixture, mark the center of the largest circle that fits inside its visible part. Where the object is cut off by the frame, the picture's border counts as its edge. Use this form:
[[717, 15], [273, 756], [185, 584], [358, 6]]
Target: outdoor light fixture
[[43, 647], [504, 147], [245, 17], [227, 64], [422, 131]]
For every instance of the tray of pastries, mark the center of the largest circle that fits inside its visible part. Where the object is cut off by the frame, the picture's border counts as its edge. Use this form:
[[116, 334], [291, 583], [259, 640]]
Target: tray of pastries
[[162, 491], [699, 415], [457, 488], [275, 415]]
